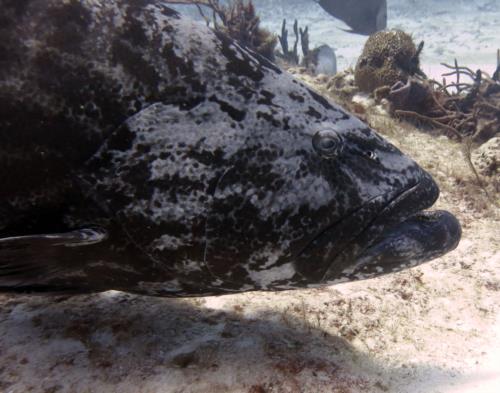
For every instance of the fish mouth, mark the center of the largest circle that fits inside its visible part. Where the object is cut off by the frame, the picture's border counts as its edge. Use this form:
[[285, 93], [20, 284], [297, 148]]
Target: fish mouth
[[385, 235], [400, 236], [422, 237]]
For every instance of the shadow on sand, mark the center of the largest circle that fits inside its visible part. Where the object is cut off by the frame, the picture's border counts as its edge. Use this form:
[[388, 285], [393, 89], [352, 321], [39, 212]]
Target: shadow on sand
[[116, 342]]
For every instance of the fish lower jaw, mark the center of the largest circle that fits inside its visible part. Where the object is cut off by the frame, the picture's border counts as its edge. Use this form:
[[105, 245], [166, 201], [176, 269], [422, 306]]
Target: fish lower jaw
[[401, 235], [420, 238]]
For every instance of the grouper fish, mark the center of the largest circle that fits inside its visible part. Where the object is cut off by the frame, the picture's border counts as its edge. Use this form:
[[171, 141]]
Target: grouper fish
[[142, 151]]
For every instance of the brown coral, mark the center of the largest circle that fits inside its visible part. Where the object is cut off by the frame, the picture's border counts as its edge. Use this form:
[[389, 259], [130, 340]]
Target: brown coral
[[388, 57], [238, 20]]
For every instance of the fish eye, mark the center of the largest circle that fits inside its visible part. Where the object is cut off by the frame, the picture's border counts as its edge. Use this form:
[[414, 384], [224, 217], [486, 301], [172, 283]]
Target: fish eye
[[327, 143]]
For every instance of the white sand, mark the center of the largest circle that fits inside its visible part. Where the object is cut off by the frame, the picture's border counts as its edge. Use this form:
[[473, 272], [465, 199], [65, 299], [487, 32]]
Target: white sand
[[433, 329]]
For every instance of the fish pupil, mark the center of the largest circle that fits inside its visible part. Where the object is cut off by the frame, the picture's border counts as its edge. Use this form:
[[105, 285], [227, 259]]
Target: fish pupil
[[328, 144]]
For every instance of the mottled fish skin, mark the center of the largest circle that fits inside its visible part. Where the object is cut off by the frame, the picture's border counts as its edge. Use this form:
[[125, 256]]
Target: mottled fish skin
[[194, 154]]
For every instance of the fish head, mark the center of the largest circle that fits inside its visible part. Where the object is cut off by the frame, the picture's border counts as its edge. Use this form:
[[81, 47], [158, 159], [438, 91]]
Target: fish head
[[378, 223], [321, 203]]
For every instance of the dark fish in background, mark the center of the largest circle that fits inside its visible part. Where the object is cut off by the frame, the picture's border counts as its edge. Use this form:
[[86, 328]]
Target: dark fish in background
[[144, 152], [362, 16]]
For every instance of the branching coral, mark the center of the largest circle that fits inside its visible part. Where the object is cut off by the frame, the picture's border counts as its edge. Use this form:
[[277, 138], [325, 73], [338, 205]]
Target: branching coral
[[468, 108], [239, 20], [290, 56], [318, 60]]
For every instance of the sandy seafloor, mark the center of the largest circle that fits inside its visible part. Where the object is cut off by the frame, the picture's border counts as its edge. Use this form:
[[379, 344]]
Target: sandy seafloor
[[435, 328]]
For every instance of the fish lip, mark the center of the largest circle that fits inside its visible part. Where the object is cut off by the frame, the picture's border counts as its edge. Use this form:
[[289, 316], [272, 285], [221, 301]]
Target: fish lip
[[336, 238], [423, 236], [407, 205]]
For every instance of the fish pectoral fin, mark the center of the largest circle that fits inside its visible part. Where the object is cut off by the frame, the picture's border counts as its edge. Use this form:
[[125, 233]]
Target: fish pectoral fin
[[32, 261]]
